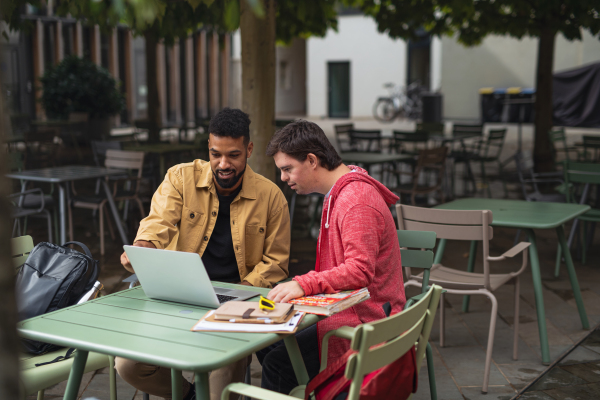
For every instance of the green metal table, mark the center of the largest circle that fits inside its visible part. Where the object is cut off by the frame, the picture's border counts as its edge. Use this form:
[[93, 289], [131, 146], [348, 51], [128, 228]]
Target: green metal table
[[161, 149], [129, 324], [521, 214]]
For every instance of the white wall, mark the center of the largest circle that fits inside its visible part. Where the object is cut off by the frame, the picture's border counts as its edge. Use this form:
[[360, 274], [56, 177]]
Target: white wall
[[374, 60], [290, 79], [500, 62]]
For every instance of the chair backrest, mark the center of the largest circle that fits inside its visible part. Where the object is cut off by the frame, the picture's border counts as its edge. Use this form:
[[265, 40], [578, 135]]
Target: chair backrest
[[131, 160], [434, 128], [365, 140], [576, 172], [558, 138], [401, 138], [452, 225], [20, 248], [415, 252], [384, 341], [342, 136], [591, 144], [467, 129], [99, 148], [494, 143]]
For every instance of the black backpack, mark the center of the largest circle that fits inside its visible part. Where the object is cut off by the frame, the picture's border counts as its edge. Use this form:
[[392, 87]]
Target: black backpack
[[53, 277]]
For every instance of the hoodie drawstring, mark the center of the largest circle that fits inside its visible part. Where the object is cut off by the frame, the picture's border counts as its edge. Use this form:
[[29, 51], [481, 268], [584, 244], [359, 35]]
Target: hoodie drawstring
[[328, 209]]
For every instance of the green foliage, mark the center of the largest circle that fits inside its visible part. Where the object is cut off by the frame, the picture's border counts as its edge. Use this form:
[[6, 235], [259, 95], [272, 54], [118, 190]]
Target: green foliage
[[79, 85], [474, 20], [304, 18]]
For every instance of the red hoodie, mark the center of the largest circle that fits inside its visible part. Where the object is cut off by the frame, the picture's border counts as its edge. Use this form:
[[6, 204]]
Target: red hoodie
[[357, 247]]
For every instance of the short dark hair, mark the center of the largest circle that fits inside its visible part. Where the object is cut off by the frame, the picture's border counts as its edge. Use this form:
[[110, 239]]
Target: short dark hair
[[300, 138], [231, 122]]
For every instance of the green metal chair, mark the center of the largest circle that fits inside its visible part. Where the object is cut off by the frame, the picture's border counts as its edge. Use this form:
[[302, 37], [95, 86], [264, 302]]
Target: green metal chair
[[422, 258], [488, 151], [37, 378], [558, 138], [586, 174], [378, 343]]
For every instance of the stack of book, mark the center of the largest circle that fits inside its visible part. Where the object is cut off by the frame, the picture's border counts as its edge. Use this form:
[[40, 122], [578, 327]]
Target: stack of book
[[329, 304]]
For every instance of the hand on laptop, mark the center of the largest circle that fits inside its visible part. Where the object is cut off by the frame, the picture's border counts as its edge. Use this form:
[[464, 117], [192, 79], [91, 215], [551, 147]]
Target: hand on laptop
[[284, 292], [125, 259]]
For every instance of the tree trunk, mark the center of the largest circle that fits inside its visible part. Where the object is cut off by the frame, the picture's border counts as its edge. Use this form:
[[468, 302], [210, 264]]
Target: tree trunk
[[258, 81], [154, 114], [9, 342], [542, 152]]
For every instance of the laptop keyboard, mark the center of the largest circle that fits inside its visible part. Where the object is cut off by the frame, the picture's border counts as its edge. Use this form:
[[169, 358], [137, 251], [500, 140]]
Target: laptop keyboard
[[224, 298]]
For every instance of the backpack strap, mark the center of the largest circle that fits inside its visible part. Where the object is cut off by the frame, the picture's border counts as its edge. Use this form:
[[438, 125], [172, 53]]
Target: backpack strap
[[59, 358], [83, 246]]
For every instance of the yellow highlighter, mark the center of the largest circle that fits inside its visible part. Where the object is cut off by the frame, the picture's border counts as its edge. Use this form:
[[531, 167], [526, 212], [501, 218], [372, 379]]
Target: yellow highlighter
[[266, 305]]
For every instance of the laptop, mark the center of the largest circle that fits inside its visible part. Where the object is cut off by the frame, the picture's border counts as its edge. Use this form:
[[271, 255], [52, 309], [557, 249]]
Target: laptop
[[179, 276]]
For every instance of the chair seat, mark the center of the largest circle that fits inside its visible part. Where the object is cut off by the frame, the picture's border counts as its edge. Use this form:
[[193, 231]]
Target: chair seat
[[33, 201], [34, 379], [450, 278], [592, 215]]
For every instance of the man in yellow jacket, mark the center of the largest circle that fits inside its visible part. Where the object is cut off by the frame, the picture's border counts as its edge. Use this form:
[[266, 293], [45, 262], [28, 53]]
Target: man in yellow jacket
[[238, 221]]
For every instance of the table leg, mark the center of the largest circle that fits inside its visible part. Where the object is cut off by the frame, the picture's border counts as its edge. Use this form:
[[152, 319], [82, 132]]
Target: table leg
[[560, 232], [76, 374], [202, 387], [62, 214], [470, 268], [115, 212], [539, 296], [176, 383], [296, 358]]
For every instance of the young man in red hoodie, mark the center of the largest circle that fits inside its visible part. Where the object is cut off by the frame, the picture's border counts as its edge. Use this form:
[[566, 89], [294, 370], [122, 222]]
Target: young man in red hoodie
[[357, 246]]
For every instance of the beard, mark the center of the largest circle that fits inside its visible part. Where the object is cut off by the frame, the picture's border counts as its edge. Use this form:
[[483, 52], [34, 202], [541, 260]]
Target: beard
[[229, 182]]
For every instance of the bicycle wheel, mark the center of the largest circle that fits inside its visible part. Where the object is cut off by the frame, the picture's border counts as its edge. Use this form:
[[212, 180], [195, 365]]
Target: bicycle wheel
[[384, 110]]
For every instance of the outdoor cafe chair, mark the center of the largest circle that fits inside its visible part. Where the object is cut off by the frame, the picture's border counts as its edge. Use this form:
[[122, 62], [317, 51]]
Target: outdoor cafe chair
[[586, 174], [430, 162], [558, 138], [376, 343], [465, 226], [416, 252], [129, 160], [18, 209], [342, 137], [488, 151], [35, 379], [591, 148], [365, 140]]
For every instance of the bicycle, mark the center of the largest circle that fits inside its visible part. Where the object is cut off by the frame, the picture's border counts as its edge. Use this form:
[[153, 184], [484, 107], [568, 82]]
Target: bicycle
[[403, 102]]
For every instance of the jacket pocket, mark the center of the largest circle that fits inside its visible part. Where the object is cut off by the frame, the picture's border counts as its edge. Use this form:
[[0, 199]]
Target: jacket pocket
[[191, 229], [254, 244]]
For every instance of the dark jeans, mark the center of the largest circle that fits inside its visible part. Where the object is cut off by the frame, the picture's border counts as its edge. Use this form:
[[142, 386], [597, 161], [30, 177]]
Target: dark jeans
[[277, 372]]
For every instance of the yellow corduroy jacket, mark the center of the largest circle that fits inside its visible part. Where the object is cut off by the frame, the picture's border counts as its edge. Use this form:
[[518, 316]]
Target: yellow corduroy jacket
[[184, 211]]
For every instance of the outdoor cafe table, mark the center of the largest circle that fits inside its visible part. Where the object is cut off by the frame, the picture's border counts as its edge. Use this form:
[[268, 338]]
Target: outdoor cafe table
[[161, 149], [62, 176], [129, 324], [521, 214]]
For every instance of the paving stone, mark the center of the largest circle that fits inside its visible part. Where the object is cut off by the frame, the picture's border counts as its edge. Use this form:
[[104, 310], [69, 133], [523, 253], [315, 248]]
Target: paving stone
[[557, 377], [494, 392], [580, 392], [536, 395], [466, 364], [588, 371], [521, 374], [580, 355]]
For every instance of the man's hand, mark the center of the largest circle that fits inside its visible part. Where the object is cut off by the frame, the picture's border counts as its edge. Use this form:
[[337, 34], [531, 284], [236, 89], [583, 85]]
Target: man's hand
[[125, 259], [285, 292]]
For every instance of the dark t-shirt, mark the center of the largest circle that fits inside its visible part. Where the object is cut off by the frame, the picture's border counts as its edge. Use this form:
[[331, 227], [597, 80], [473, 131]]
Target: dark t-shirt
[[219, 256]]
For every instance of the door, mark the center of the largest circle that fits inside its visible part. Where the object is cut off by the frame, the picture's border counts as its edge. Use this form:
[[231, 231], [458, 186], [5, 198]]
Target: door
[[338, 82]]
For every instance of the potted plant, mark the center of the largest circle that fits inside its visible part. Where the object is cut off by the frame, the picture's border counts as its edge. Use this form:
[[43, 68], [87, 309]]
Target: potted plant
[[77, 85]]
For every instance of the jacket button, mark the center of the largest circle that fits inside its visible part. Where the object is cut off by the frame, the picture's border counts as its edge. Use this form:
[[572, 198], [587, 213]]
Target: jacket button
[[192, 215], [261, 230], [233, 222], [205, 238], [214, 213]]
